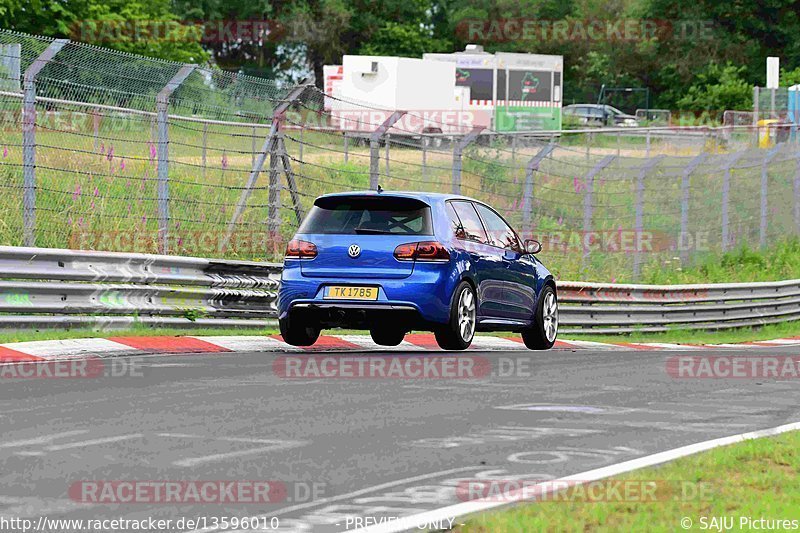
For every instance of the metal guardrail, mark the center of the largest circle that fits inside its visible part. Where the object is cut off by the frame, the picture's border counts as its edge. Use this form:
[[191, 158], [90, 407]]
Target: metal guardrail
[[45, 287], [616, 308]]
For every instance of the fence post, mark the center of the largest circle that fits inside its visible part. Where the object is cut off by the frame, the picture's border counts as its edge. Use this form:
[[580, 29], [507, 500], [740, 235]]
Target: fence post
[[458, 150], [762, 227], [374, 145], [387, 144], [796, 190], [29, 141], [527, 194], [346, 142], [726, 193], [687, 174], [513, 149], [205, 148], [639, 230], [587, 204], [424, 145], [96, 129], [253, 147], [269, 147], [755, 115], [162, 194], [274, 191], [647, 149], [301, 145]]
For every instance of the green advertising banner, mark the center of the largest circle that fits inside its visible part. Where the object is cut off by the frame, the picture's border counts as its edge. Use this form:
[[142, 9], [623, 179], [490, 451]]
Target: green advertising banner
[[523, 118]]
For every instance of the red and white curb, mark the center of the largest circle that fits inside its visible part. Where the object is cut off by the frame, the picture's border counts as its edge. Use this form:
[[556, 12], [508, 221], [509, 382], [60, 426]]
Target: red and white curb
[[116, 346]]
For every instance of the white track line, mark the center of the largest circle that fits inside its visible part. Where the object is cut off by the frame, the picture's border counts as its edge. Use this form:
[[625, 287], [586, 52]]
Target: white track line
[[44, 439], [461, 509]]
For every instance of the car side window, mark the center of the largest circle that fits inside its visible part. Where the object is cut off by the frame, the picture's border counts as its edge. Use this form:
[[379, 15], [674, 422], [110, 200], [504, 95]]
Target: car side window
[[467, 224], [500, 233]]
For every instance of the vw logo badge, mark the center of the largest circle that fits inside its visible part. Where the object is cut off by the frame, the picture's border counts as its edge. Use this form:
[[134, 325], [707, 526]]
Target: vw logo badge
[[354, 251]]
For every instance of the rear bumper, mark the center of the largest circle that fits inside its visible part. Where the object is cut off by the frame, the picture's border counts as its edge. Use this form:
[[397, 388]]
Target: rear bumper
[[422, 297]]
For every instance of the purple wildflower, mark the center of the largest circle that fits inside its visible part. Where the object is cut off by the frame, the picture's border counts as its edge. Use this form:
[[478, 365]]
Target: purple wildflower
[[224, 160], [77, 193], [110, 155], [152, 152], [5, 152], [122, 164]]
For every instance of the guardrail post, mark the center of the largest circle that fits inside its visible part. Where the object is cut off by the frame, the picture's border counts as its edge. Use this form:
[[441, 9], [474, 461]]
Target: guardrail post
[[527, 194], [762, 227], [269, 147], [726, 196], [647, 149], [374, 145], [685, 177], [458, 150], [162, 194], [29, 140], [587, 204], [637, 254]]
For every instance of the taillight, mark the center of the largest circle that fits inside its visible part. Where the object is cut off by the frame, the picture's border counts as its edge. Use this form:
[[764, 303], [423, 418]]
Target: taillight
[[421, 251], [301, 249]]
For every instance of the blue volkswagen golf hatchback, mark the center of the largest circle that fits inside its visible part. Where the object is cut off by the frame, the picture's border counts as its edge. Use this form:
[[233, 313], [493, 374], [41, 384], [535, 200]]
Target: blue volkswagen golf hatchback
[[392, 262]]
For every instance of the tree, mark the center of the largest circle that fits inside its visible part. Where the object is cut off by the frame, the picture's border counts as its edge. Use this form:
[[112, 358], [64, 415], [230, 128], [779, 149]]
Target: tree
[[717, 89], [108, 23]]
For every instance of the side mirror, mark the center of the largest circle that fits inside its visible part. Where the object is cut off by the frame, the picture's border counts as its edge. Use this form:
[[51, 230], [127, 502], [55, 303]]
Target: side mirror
[[532, 246]]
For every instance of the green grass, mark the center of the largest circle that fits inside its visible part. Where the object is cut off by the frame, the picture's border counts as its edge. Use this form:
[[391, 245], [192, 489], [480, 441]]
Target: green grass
[[85, 333], [755, 478], [685, 336]]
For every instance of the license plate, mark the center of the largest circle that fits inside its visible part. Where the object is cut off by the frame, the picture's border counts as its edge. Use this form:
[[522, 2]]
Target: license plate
[[351, 293]]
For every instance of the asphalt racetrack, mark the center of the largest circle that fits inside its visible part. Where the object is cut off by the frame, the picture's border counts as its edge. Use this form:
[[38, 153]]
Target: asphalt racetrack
[[346, 451]]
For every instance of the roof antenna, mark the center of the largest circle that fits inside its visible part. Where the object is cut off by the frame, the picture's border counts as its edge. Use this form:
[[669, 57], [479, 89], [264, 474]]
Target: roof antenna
[[380, 189]]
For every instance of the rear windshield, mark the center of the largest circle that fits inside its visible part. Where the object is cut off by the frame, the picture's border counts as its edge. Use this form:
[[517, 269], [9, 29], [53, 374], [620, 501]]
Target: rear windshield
[[345, 215]]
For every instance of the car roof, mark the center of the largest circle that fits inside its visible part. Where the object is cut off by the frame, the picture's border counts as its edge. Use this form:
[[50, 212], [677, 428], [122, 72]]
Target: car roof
[[428, 197]]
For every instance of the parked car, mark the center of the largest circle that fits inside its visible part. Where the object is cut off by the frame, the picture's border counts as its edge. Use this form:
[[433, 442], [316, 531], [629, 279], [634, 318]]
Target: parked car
[[600, 115], [392, 262]]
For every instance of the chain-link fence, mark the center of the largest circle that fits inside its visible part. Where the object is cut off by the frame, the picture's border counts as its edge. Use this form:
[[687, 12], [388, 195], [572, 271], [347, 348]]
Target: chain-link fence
[[109, 151]]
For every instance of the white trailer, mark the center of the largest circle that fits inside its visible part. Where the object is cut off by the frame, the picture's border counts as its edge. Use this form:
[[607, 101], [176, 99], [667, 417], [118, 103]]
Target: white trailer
[[373, 87]]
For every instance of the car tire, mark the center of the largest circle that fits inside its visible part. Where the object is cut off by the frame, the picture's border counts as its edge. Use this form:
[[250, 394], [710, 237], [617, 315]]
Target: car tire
[[544, 330], [387, 336], [457, 334], [296, 333]]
